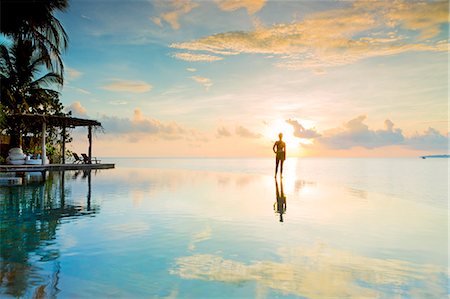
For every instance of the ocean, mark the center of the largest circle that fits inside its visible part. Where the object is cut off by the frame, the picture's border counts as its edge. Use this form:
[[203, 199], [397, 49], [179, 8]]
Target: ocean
[[225, 228]]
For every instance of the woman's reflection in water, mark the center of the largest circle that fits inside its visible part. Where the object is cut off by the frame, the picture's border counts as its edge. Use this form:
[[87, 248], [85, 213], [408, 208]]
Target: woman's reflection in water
[[280, 205]]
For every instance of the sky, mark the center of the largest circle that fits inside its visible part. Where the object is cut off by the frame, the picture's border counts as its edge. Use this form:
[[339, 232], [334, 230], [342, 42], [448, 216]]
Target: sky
[[222, 78]]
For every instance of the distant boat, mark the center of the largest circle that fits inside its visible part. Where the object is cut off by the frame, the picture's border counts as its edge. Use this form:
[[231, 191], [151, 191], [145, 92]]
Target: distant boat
[[435, 156]]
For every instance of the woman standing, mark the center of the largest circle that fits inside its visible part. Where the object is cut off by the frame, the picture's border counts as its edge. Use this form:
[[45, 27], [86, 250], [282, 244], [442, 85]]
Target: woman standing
[[279, 148]]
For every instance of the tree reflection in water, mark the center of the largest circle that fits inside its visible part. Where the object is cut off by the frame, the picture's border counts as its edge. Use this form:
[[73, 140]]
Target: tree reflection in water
[[29, 218]]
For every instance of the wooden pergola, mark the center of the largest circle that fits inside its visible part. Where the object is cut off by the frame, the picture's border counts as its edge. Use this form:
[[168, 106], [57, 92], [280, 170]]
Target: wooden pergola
[[58, 121]]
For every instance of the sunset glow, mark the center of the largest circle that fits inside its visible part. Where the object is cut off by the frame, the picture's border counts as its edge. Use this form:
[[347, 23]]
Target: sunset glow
[[224, 149], [223, 78], [280, 126]]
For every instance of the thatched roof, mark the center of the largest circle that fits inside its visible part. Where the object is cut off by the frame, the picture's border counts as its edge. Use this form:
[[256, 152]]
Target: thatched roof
[[55, 121]]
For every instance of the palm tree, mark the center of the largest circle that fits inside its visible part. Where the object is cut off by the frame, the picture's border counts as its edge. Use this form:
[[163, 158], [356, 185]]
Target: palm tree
[[21, 91], [34, 21], [25, 86]]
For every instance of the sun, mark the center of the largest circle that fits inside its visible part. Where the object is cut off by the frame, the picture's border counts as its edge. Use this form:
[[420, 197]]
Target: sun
[[281, 126]]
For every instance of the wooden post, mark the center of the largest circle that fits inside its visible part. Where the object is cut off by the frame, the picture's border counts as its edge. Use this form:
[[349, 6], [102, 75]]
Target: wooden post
[[90, 143], [62, 193], [44, 151], [89, 191], [63, 149]]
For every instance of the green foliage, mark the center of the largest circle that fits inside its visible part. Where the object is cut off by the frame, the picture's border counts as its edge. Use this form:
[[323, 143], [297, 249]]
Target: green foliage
[[26, 88], [2, 118], [35, 21], [54, 145], [31, 67]]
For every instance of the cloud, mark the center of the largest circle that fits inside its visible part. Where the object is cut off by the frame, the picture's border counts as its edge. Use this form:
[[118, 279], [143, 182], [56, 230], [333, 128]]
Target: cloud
[[177, 9], [430, 140], [145, 124], [206, 82], [246, 133], [196, 57], [319, 271], [301, 132], [424, 17], [356, 133], [319, 71], [191, 69], [118, 102], [128, 86], [223, 132], [72, 74], [142, 124], [252, 6], [80, 90], [157, 21], [77, 109], [338, 36]]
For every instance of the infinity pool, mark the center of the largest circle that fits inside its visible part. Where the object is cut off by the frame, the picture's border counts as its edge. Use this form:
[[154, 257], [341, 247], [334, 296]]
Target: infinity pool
[[224, 228]]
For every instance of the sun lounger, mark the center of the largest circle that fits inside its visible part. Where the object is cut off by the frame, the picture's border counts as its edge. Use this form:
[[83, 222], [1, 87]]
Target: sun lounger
[[88, 160], [77, 158]]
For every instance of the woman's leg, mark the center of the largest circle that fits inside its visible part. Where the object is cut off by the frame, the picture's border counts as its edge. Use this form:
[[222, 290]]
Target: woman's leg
[[276, 166]]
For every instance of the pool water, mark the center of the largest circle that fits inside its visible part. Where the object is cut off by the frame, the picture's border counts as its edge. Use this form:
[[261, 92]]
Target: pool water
[[225, 228]]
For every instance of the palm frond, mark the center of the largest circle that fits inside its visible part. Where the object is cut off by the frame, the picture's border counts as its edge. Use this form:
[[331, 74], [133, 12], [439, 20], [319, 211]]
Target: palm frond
[[50, 50], [48, 79], [5, 61]]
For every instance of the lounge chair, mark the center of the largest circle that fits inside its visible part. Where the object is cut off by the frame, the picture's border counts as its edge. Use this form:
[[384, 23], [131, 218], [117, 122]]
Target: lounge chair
[[88, 160], [77, 158]]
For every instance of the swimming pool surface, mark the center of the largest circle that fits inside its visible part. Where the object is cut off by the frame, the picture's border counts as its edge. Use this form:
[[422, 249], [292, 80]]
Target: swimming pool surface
[[218, 228]]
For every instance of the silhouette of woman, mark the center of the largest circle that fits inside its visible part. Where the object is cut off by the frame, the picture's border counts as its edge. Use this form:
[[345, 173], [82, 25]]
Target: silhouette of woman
[[279, 148], [280, 205]]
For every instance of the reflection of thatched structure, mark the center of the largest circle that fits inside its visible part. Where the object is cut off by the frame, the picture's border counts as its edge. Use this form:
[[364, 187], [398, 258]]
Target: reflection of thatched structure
[[30, 216]]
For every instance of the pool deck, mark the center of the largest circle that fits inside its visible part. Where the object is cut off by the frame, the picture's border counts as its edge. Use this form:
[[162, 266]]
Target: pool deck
[[54, 167]]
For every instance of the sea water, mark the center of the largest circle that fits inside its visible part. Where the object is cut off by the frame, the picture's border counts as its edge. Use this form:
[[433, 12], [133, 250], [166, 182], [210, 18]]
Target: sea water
[[225, 228]]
